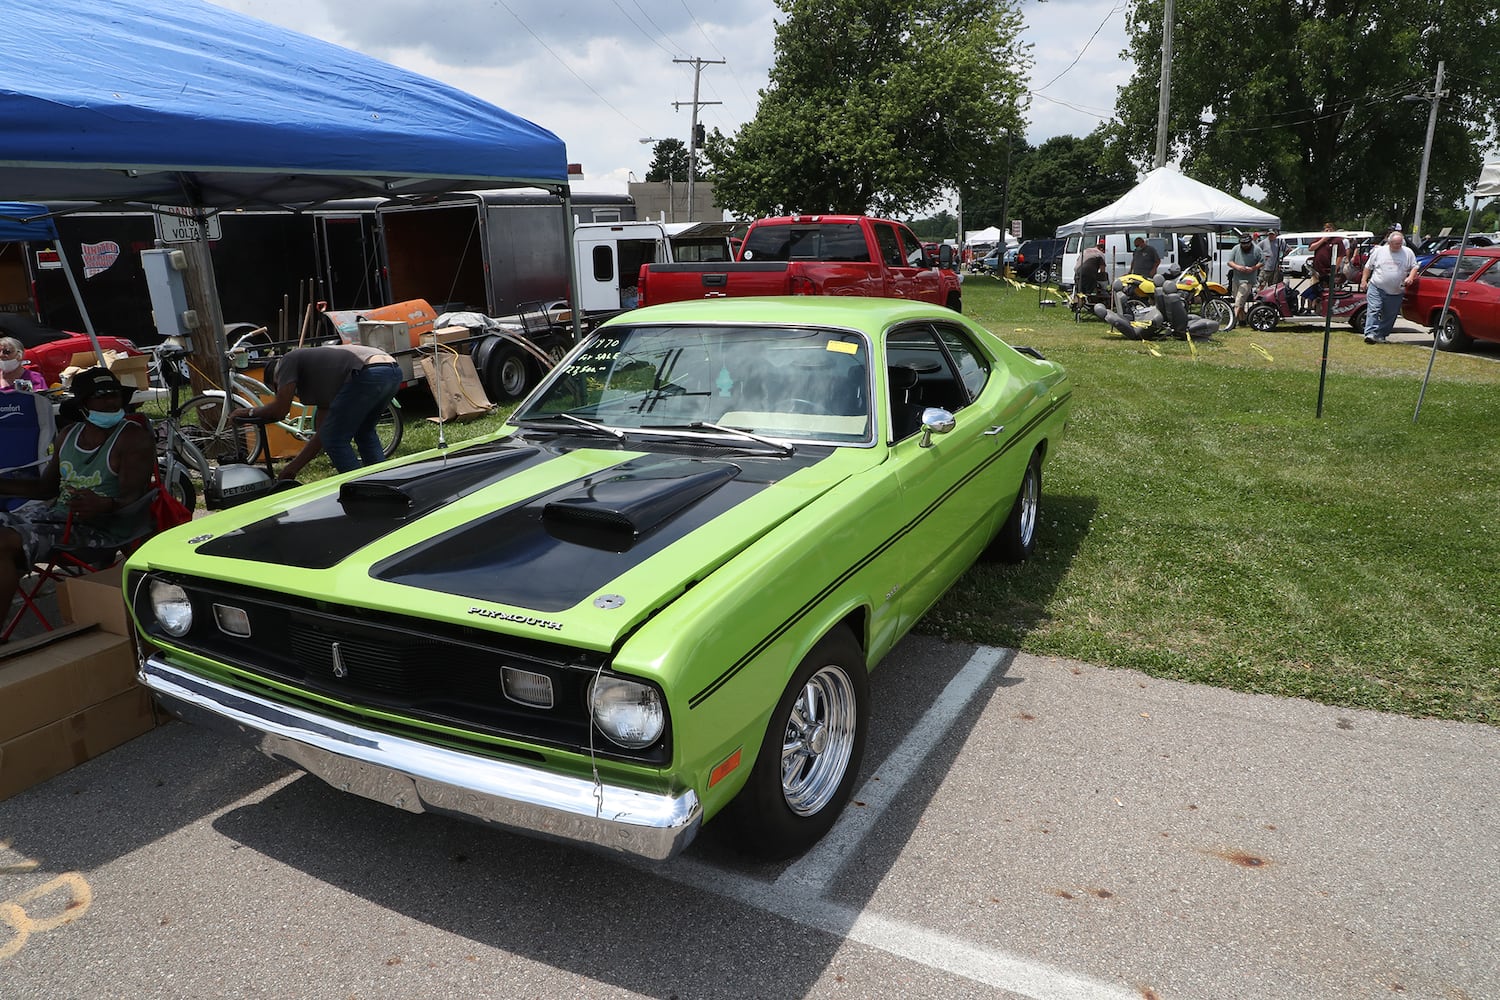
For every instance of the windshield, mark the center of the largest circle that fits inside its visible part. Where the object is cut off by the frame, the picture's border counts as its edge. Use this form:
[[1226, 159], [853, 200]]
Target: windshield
[[783, 382]]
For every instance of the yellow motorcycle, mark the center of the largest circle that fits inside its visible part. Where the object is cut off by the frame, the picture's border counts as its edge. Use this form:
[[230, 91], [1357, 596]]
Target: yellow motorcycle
[[1205, 297]]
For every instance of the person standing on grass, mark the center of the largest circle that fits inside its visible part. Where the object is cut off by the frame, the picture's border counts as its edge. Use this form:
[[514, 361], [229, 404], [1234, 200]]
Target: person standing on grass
[[1244, 267], [1390, 271], [350, 384], [1145, 260]]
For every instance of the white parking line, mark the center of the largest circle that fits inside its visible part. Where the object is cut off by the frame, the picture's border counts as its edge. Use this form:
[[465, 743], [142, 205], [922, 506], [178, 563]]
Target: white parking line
[[798, 894]]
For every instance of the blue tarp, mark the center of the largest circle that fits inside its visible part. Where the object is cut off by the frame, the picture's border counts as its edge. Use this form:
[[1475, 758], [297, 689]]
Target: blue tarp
[[183, 102], [20, 222]]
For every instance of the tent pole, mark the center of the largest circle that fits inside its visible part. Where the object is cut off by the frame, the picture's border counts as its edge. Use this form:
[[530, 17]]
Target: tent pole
[[574, 289], [88, 324], [1463, 245]]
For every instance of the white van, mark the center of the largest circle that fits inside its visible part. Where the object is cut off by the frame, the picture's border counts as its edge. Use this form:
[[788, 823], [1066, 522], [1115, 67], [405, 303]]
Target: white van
[[1180, 248]]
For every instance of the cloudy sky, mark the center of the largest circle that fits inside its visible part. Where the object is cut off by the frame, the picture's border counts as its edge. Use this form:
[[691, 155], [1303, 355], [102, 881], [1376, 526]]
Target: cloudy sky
[[600, 73]]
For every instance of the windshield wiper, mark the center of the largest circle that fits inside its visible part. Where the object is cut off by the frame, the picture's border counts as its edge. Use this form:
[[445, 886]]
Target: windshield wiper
[[701, 425], [618, 435]]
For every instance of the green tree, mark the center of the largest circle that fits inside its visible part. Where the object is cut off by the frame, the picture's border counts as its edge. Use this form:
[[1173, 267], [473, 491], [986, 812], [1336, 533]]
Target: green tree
[[876, 106], [1303, 98], [669, 162]]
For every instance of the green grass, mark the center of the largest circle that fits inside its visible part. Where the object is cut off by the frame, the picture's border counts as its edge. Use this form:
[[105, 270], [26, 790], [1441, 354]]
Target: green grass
[[1200, 523]]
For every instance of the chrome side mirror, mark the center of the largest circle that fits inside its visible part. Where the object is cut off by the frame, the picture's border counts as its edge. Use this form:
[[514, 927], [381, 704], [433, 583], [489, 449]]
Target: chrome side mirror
[[935, 420]]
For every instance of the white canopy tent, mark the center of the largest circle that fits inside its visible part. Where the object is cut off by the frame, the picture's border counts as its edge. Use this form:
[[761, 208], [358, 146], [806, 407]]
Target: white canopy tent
[[990, 235], [1170, 201]]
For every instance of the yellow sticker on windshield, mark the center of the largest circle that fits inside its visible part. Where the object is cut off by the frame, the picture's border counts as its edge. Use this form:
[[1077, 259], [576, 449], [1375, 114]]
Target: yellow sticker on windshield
[[843, 347]]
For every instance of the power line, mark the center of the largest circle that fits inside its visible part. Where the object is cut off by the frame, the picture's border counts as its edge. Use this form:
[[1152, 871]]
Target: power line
[[563, 63], [1116, 9], [642, 30]]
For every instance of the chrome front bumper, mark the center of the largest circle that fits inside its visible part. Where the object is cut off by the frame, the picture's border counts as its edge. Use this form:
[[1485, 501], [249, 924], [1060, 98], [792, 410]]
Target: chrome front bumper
[[419, 777]]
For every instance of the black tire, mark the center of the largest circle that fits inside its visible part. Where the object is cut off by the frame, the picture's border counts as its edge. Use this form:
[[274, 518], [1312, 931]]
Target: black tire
[[810, 756], [1017, 538], [955, 302], [1221, 311], [182, 490], [391, 428], [1450, 336], [1263, 317], [1042, 275], [507, 373], [205, 422], [1357, 320]]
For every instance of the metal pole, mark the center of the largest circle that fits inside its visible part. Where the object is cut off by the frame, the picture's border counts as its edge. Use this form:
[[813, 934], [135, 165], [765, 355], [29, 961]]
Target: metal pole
[[1165, 100], [698, 65], [1463, 245], [1437, 95]]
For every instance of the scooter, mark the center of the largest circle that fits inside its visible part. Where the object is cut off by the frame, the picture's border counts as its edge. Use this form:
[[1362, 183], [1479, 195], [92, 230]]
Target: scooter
[[1281, 301]]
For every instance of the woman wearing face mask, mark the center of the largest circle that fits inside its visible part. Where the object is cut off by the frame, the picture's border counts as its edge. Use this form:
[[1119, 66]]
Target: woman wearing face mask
[[100, 466], [13, 376]]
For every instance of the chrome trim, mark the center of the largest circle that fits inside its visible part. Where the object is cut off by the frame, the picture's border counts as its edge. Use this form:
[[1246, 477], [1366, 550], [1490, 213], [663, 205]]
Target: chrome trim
[[418, 777]]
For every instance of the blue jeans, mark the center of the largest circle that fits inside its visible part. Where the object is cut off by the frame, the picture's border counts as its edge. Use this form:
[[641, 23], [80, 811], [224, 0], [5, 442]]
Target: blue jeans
[[351, 417], [1381, 310]]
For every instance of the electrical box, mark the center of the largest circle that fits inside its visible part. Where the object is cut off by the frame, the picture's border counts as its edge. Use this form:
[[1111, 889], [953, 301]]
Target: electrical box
[[165, 281], [391, 337]]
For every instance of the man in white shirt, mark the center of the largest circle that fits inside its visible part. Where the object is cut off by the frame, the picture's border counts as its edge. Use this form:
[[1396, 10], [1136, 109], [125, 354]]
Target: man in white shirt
[[1391, 269]]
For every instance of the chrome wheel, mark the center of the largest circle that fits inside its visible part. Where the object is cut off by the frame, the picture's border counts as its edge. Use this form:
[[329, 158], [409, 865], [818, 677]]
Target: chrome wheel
[[819, 741], [1027, 505]]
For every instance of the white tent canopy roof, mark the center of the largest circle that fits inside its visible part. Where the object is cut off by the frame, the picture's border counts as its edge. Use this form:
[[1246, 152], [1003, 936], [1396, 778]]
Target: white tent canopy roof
[[1489, 180], [1166, 199], [991, 235]]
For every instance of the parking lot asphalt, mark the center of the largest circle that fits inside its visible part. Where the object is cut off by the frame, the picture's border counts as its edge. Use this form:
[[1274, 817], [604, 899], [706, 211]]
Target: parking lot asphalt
[[1024, 827]]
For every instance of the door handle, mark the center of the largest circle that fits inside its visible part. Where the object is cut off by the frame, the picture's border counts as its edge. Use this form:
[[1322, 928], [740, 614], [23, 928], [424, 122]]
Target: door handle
[[994, 430]]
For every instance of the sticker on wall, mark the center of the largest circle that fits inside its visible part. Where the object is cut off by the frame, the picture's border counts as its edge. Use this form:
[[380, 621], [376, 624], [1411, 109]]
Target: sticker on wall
[[99, 257]]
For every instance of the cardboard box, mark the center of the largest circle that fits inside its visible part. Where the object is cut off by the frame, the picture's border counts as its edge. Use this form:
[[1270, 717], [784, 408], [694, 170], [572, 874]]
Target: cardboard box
[[448, 335], [133, 370], [54, 682], [48, 751], [96, 599]]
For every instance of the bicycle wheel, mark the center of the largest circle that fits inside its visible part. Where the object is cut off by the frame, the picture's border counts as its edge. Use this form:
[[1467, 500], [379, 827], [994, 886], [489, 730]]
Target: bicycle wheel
[[390, 427], [180, 485], [204, 420]]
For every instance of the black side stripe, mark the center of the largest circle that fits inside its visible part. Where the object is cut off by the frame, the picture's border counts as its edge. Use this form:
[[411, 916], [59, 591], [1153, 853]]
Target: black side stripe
[[900, 533]]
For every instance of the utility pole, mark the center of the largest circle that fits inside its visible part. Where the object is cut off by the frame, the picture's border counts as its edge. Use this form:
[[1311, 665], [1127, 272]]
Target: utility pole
[[1438, 93], [1165, 102], [693, 135]]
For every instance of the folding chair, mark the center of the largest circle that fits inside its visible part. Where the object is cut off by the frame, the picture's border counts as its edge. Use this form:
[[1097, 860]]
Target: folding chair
[[27, 426], [66, 560]]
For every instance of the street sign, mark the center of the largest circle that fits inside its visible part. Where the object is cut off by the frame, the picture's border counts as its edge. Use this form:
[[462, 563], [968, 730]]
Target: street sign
[[178, 225]]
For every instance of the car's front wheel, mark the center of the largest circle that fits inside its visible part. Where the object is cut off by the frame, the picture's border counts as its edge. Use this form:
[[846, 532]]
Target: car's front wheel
[[1042, 275], [810, 756]]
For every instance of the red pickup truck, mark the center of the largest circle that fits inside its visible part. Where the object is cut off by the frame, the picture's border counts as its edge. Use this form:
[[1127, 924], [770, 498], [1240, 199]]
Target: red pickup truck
[[814, 255]]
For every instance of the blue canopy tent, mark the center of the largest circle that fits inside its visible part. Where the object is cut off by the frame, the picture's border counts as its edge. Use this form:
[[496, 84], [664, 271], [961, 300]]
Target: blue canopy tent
[[188, 104], [24, 223]]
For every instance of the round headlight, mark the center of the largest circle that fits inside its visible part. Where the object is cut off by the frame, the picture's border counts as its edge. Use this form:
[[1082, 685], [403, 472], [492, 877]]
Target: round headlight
[[170, 605], [628, 713]]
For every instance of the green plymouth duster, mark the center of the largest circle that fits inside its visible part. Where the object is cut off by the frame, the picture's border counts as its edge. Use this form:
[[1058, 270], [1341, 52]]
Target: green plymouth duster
[[651, 601]]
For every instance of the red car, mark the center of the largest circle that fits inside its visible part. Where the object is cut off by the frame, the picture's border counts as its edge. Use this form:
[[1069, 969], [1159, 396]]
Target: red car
[[50, 351], [1474, 312]]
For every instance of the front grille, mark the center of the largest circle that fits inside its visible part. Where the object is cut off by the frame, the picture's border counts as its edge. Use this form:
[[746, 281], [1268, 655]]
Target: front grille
[[447, 676]]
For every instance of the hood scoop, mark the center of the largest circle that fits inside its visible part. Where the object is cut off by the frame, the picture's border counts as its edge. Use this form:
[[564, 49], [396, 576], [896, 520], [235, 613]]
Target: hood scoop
[[614, 513], [413, 490]]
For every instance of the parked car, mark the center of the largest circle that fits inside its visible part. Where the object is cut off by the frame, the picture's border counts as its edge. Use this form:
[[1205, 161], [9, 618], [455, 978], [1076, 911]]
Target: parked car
[[1474, 310], [653, 598], [1437, 244], [1039, 261]]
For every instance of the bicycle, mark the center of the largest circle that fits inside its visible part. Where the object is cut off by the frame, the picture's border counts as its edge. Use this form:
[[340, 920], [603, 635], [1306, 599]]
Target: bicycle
[[220, 436], [182, 446]]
